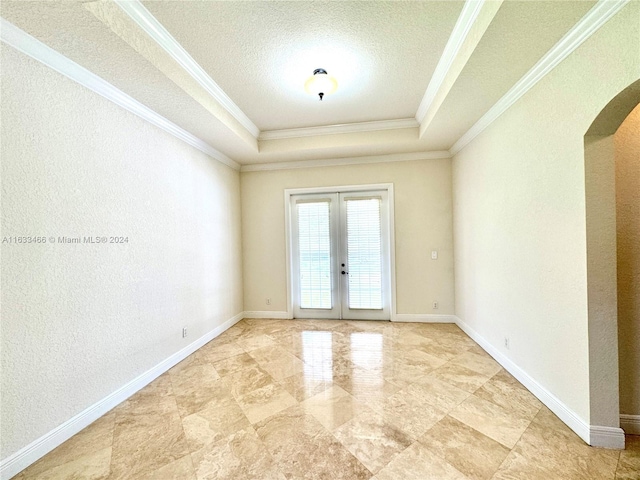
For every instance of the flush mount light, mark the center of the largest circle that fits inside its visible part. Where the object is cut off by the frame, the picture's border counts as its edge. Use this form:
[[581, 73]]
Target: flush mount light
[[320, 83]]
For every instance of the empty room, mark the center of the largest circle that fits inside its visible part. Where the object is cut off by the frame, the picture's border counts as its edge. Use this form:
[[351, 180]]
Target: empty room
[[282, 240]]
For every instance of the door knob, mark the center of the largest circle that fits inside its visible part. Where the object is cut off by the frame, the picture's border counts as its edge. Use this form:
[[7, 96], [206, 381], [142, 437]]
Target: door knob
[[345, 273]]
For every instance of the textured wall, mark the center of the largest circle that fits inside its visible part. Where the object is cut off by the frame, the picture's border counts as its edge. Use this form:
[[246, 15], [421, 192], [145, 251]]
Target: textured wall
[[519, 217], [81, 320], [600, 207], [627, 154], [422, 223]]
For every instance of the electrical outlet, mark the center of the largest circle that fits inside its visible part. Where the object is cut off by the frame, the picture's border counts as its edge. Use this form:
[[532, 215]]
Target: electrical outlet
[[268, 301], [435, 305], [184, 332], [506, 343]]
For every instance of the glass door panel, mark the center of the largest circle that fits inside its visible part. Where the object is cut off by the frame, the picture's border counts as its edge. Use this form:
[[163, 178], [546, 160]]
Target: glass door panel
[[364, 253], [314, 254], [364, 243], [340, 255], [314, 230]]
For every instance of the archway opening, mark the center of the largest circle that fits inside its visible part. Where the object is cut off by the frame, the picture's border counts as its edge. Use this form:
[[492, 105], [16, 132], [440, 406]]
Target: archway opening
[[611, 359], [627, 165]]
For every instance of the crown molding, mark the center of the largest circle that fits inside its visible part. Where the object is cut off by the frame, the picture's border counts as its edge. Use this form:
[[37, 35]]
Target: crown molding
[[467, 18], [25, 43], [338, 129], [581, 31], [331, 162], [152, 27]]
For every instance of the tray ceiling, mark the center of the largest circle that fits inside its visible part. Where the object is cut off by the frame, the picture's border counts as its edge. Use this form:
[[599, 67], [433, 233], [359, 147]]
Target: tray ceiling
[[232, 72]]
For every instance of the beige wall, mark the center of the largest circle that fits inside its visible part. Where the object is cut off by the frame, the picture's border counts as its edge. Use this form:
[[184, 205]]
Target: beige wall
[[600, 208], [422, 223], [80, 321], [627, 159], [520, 219]]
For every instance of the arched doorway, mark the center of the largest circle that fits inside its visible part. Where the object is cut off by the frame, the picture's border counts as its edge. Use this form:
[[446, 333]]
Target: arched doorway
[[600, 204]]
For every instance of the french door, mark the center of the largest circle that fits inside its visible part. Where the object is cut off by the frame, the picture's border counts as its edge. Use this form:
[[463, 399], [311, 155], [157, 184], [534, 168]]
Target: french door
[[341, 255]]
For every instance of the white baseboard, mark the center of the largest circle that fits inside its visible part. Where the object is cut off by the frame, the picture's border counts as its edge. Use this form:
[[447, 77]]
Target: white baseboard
[[423, 318], [606, 437], [398, 317], [268, 314], [630, 424], [37, 449], [597, 436]]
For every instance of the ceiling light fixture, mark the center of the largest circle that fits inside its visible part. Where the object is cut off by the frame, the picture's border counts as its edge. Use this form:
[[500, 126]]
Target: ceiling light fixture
[[320, 83]]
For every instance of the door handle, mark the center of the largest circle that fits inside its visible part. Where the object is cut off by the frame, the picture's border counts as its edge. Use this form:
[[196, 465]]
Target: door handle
[[344, 273]]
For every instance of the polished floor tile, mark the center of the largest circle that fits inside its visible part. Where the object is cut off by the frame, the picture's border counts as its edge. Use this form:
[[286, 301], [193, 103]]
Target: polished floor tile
[[194, 386], [333, 407], [214, 351], [219, 418], [504, 426], [233, 364], [437, 392], [549, 449], [372, 440], [419, 463], [241, 455], [249, 379], [81, 452], [181, 469], [148, 432], [480, 363], [302, 386], [303, 448], [89, 466], [469, 451], [505, 391], [461, 376], [328, 399], [410, 414], [265, 401], [629, 461]]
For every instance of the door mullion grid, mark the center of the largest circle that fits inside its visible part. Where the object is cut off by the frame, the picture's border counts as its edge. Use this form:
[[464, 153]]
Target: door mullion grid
[[334, 219], [339, 245], [342, 242]]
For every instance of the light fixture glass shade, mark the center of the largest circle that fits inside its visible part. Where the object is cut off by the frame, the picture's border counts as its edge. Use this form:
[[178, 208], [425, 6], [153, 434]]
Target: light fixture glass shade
[[321, 83]]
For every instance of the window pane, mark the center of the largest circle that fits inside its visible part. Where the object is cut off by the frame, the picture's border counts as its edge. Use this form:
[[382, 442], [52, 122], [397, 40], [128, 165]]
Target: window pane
[[364, 252], [315, 255]]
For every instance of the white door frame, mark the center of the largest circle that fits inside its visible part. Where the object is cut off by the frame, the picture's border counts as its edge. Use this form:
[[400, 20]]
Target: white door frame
[[388, 187]]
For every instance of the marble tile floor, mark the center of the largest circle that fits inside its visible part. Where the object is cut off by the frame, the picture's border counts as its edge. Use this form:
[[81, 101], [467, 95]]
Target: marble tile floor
[[313, 399]]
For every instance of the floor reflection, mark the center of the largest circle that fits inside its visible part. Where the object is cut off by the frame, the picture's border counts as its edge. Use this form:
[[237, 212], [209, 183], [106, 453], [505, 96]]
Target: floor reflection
[[275, 399], [317, 354], [366, 349]]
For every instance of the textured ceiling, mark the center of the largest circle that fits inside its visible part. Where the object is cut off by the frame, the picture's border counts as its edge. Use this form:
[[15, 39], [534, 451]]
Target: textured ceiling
[[383, 55], [73, 31], [519, 35]]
